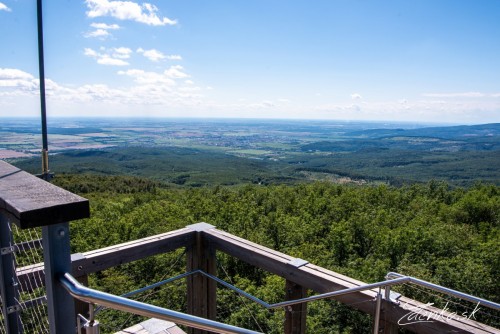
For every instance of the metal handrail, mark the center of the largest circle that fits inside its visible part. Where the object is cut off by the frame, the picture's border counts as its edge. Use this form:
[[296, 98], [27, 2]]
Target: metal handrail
[[391, 276], [120, 303], [89, 295], [392, 279]]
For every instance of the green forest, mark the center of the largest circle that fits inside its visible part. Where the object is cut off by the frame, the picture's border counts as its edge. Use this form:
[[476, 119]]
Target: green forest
[[443, 234]]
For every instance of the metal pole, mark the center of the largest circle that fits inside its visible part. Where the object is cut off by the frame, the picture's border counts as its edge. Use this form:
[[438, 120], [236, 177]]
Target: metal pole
[[341, 292], [41, 68], [377, 312], [8, 280]]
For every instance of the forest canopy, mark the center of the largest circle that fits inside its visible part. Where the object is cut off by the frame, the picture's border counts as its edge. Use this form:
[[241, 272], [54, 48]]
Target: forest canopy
[[449, 236]]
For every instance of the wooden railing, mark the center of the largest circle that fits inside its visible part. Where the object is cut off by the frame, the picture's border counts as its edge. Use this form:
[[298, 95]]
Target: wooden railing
[[201, 241]]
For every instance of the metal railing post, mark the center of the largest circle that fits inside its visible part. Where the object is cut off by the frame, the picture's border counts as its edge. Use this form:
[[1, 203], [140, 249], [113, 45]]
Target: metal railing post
[[377, 312], [57, 258], [8, 280]]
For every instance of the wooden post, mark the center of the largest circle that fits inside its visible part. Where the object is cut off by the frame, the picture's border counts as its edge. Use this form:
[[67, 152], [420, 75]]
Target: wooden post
[[295, 315], [201, 291], [387, 327]]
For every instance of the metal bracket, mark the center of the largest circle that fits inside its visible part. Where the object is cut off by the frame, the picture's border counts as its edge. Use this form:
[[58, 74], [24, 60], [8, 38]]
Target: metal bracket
[[77, 257], [46, 176], [200, 227], [8, 250], [297, 263], [394, 297], [13, 309]]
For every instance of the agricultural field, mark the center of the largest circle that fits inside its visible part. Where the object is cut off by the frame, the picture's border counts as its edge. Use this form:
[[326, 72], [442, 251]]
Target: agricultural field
[[198, 152]]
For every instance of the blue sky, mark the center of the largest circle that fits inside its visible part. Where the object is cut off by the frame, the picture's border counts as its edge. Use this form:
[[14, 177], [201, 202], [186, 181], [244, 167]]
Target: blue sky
[[425, 61]]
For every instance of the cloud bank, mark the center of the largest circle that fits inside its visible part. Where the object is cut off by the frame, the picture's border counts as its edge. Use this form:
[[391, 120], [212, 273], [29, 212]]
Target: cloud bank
[[127, 10]]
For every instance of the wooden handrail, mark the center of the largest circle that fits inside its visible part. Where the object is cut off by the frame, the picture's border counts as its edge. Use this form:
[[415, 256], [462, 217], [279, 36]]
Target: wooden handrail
[[31, 202]]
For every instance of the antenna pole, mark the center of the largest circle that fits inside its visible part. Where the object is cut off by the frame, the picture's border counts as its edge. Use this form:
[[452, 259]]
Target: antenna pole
[[45, 147]]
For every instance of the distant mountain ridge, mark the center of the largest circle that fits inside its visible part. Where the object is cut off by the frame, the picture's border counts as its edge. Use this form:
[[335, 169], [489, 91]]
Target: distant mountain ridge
[[444, 132]]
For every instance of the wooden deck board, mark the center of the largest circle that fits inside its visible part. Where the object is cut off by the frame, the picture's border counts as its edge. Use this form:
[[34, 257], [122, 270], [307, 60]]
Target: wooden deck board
[[153, 326]]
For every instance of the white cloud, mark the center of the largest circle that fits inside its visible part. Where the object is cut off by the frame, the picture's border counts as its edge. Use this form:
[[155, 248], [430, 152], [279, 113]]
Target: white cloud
[[16, 79], [105, 60], [174, 57], [14, 82], [175, 72], [153, 54], [356, 96], [105, 26], [148, 78], [4, 7], [101, 30], [112, 57], [89, 52], [127, 10], [429, 110], [122, 53], [452, 95], [12, 73], [148, 89], [99, 33]]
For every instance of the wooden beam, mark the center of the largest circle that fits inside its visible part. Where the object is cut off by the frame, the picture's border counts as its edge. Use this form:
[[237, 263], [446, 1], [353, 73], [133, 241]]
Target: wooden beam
[[323, 280], [105, 258], [31, 202]]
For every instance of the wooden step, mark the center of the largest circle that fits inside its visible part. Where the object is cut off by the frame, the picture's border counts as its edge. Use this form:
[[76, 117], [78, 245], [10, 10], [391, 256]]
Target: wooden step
[[153, 326]]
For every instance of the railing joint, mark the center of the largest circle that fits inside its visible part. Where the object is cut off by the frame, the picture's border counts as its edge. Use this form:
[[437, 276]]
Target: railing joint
[[200, 227]]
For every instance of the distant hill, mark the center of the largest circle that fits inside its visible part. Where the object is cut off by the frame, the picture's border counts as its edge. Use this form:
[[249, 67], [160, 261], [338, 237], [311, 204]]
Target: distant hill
[[484, 137], [461, 132]]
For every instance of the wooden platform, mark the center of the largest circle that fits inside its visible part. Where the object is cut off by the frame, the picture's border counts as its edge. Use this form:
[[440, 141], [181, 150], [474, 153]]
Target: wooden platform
[[153, 326]]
